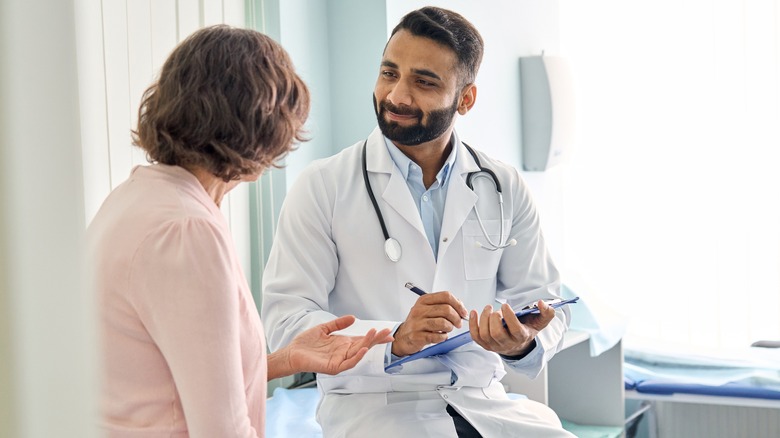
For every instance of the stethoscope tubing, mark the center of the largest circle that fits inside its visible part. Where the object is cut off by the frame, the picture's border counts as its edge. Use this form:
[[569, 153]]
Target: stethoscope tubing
[[492, 246], [393, 247], [371, 195]]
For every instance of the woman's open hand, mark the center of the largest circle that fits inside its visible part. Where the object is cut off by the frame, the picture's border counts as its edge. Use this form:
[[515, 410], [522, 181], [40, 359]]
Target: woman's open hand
[[317, 350]]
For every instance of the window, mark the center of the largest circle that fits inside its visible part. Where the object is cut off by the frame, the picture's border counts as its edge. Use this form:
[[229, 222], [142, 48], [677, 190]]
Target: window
[[673, 201]]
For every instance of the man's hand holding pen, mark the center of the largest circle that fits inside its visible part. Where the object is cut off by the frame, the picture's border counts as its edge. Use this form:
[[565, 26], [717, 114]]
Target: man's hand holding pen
[[429, 321], [434, 315]]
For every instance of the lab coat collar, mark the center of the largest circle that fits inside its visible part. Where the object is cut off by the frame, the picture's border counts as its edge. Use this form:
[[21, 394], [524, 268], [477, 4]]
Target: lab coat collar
[[403, 162], [378, 161], [464, 162], [378, 158], [460, 199], [394, 190]]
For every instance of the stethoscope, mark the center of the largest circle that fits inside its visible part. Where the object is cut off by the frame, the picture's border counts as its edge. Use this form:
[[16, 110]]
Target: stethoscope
[[393, 247]]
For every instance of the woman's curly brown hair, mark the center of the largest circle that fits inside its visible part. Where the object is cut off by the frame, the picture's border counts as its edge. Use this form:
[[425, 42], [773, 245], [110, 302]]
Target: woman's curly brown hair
[[228, 100]]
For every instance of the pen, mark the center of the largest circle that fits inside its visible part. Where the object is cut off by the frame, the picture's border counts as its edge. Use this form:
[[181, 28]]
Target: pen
[[409, 285], [415, 289]]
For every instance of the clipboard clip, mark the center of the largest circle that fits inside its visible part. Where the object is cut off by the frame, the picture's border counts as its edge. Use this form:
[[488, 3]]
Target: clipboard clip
[[548, 302]]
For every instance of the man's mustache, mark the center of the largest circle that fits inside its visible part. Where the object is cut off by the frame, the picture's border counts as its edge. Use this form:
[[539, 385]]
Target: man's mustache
[[400, 110]]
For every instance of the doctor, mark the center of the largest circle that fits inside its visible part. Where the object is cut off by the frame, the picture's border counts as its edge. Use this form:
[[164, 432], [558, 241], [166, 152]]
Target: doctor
[[338, 251]]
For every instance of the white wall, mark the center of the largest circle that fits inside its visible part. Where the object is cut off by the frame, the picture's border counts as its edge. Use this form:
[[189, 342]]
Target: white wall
[[310, 53], [47, 335], [336, 47], [357, 37]]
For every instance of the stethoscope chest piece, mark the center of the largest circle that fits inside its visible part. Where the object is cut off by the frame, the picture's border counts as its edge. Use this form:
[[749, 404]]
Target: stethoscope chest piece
[[392, 249]]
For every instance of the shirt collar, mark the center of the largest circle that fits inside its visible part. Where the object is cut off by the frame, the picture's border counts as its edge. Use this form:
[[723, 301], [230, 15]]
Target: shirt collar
[[403, 163]]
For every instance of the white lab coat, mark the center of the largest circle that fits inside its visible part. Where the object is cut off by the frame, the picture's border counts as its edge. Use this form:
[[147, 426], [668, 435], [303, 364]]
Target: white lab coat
[[328, 259]]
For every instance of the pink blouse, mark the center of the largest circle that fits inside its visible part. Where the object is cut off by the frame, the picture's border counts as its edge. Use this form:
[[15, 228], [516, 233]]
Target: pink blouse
[[183, 350]]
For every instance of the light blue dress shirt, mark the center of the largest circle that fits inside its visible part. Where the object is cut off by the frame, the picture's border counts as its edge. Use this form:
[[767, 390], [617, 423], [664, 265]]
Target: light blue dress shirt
[[430, 202]]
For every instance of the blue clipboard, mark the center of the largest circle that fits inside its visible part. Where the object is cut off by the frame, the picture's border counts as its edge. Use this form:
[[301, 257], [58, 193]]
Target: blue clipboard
[[464, 338]]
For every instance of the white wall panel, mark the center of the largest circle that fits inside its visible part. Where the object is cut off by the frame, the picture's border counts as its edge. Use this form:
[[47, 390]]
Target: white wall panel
[[122, 46], [234, 13], [212, 12], [164, 36], [139, 64], [116, 66], [188, 17], [92, 99]]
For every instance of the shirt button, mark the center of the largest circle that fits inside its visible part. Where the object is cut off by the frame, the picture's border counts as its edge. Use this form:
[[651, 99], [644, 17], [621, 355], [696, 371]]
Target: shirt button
[[425, 198]]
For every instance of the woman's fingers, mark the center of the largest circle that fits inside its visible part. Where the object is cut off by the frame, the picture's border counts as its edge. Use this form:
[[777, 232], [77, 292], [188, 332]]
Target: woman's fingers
[[339, 323]]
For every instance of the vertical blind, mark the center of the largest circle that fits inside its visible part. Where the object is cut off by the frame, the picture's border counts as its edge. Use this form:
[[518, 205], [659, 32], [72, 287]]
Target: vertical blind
[[673, 194], [121, 47]]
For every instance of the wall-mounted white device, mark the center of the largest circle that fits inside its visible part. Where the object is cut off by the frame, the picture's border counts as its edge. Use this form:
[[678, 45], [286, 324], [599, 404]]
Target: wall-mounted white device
[[547, 111]]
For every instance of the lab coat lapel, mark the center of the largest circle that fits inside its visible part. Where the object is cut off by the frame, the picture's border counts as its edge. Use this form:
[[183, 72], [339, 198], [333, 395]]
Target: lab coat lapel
[[460, 199], [392, 186]]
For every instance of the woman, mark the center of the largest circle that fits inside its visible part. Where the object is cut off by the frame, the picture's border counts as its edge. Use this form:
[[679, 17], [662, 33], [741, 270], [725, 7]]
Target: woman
[[183, 347]]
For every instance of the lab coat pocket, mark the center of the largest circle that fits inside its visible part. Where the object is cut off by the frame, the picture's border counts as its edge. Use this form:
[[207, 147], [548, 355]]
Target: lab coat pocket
[[479, 262]]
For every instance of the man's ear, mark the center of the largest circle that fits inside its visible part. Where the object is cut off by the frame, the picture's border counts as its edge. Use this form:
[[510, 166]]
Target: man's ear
[[467, 98]]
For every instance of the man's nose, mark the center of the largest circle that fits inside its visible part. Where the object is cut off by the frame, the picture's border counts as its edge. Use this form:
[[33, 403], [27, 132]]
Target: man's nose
[[400, 94]]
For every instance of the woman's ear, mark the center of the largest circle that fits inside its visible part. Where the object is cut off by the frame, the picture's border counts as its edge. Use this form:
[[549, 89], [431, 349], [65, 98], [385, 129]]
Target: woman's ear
[[467, 98]]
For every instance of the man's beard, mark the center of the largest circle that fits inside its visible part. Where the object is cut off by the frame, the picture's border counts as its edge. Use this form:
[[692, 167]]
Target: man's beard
[[439, 121]]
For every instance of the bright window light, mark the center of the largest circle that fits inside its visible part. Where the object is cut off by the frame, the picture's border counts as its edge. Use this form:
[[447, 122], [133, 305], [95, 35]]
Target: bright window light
[[673, 194]]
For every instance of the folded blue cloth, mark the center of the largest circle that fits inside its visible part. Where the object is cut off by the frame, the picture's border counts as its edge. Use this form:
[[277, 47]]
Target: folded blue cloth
[[735, 389], [749, 366]]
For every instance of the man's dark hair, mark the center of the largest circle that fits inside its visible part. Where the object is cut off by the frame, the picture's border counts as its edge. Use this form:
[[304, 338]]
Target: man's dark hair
[[449, 29], [228, 100]]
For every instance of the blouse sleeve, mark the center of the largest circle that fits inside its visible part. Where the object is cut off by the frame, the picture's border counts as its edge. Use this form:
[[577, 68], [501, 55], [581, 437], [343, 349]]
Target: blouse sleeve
[[186, 294]]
